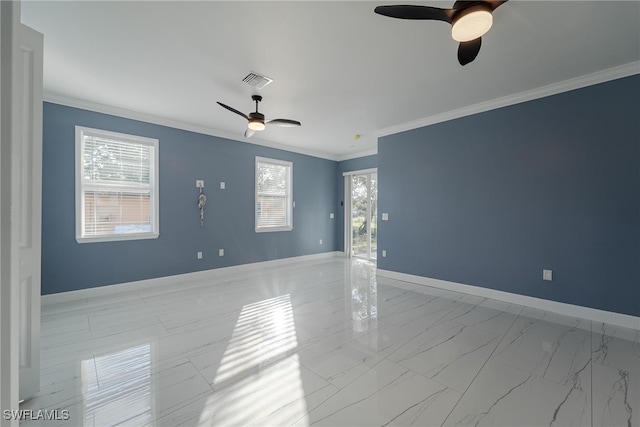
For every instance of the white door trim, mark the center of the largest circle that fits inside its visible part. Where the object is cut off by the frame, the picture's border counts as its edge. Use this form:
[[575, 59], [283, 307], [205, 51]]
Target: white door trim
[[10, 129], [27, 199]]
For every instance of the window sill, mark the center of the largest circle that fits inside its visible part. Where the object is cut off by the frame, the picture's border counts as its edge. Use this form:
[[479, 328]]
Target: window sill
[[272, 229], [117, 237]]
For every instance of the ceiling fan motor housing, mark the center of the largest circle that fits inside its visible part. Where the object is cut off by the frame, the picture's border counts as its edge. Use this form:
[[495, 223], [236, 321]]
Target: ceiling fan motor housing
[[256, 121], [471, 23]]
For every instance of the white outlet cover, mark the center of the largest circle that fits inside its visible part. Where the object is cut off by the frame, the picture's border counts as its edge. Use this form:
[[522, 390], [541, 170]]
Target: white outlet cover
[[220, 252], [385, 217], [331, 215], [547, 275], [199, 254], [199, 183], [320, 241], [384, 253], [222, 185]]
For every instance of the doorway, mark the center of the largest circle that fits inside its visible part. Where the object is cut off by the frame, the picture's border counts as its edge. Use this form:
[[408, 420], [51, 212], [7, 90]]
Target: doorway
[[361, 225]]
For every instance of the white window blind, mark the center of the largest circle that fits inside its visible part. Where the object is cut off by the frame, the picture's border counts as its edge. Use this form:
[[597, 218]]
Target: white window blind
[[273, 195], [116, 186]]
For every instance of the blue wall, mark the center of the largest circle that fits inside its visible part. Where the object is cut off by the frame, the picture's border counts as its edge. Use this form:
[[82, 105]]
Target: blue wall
[[493, 199], [184, 157], [359, 163]]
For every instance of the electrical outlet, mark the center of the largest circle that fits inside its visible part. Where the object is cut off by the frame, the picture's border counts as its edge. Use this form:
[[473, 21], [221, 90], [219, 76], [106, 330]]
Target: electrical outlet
[[199, 183], [222, 185], [547, 275], [220, 252], [199, 255], [384, 253], [331, 215], [385, 217], [320, 241]]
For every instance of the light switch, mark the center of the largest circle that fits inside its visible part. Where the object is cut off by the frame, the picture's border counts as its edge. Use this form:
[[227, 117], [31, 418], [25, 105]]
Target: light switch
[[222, 185], [385, 217], [331, 215]]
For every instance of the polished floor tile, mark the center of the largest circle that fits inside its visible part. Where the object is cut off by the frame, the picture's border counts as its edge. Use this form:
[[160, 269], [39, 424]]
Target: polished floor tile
[[506, 396], [328, 343]]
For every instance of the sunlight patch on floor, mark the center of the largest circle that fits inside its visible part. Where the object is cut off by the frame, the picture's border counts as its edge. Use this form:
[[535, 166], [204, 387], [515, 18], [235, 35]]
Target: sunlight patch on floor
[[259, 377], [125, 393]]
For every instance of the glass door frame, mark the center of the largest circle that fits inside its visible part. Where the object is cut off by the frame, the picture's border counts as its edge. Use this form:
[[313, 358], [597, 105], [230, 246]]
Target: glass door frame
[[348, 223]]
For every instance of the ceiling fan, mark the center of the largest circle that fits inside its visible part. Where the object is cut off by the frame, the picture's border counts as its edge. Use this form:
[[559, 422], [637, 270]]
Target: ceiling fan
[[469, 20], [256, 120]]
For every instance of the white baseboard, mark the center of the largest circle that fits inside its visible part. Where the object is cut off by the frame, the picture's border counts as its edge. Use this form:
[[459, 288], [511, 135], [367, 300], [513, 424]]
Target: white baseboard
[[196, 276], [588, 313]]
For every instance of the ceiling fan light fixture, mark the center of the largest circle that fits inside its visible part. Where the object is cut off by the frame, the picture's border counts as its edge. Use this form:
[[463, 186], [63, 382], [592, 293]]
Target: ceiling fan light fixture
[[256, 125], [471, 24], [256, 121]]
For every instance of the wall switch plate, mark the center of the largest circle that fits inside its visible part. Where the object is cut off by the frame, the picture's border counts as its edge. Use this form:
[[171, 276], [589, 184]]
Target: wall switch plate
[[320, 241], [294, 203], [199, 255], [220, 252], [385, 217], [547, 275], [331, 215], [384, 253], [199, 183], [222, 185]]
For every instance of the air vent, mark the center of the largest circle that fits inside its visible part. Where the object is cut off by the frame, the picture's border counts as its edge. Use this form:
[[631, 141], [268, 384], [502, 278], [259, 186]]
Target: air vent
[[257, 80]]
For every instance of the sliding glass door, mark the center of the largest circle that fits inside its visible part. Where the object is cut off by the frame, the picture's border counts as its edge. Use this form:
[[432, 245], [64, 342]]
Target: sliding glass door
[[363, 225]]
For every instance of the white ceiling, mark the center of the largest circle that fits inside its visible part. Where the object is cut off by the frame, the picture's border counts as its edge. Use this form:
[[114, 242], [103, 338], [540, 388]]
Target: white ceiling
[[337, 67]]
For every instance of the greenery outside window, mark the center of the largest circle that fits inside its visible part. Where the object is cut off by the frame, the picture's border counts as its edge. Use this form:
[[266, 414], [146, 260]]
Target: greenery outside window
[[274, 200]]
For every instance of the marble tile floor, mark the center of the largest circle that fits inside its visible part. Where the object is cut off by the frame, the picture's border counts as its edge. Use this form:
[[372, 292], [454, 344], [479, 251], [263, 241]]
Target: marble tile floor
[[327, 343]]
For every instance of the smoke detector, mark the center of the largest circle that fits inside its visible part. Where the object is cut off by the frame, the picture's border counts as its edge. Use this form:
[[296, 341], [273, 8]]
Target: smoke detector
[[257, 80]]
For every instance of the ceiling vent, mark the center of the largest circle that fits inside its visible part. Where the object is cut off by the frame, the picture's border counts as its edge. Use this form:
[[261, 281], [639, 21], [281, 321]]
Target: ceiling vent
[[256, 80]]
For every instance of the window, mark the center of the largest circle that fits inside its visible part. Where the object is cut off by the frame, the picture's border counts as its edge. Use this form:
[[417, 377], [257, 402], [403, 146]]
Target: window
[[116, 186], [273, 195]]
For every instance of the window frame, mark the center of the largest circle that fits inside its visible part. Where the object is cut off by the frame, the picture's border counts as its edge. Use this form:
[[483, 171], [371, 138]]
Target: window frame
[[289, 196], [154, 212]]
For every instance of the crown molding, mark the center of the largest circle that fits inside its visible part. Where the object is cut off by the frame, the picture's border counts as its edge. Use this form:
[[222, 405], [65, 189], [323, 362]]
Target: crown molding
[[176, 124], [619, 72], [615, 73], [357, 154]]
